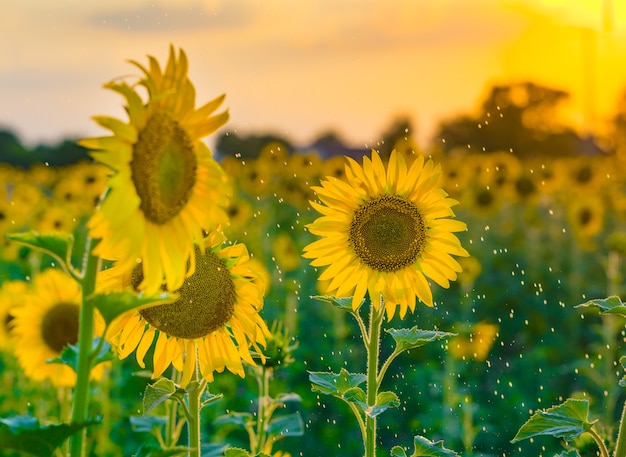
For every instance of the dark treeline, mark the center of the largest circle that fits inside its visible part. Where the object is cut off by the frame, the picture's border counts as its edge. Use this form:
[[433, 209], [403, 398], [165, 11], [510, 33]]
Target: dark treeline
[[520, 118]]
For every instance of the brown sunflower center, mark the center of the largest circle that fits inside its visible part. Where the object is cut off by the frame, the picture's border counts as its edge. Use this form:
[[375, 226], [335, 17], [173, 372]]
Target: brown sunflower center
[[388, 233], [206, 301], [59, 326], [163, 168]]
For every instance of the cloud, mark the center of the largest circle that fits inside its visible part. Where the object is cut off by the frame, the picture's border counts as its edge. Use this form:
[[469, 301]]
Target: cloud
[[161, 17]]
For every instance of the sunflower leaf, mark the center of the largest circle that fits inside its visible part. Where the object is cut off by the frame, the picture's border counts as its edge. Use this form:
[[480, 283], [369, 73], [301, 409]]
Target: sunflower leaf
[[151, 450], [147, 424], [242, 420], [384, 401], [157, 393], [56, 245], [335, 384], [344, 303], [236, 452], [567, 420], [409, 338], [287, 425], [397, 451], [570, 453], [425, 448], [208, 398], [113, 304], [25, 434], [288, 397], [69, 355], [610, 305]]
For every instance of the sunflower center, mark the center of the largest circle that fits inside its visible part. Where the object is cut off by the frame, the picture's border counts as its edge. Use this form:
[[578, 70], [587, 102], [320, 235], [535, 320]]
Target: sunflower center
[[388, 233], [163, 168], [206, 301], [60, 326]]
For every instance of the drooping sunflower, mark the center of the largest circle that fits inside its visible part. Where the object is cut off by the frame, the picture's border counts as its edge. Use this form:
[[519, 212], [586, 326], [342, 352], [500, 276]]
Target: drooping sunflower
[[166, 188], [384, 231], [213, 322], [45, 323]]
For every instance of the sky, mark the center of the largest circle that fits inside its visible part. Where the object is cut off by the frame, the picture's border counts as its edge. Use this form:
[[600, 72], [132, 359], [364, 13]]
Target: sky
[[301, 68]]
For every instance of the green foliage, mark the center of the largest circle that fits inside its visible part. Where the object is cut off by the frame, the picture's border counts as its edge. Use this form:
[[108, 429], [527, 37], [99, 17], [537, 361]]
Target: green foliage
[[286, 425], [610, 305], [344, 303], [236, 452], [567, 420], [56, 245], [113, 304], [26, 434], [424, 448], [151, 450], [69, 356], [335, 384], [406, 338]]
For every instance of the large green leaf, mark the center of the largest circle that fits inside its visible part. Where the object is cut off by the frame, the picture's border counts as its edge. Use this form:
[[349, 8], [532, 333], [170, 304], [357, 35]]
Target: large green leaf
[[286, 425], [69, 355], [56, 245], [344, 303], [424, 448], [610, 305], [25, 434], [333, 383], [409, 338], [157, 393], [567, 420], [113, 304]]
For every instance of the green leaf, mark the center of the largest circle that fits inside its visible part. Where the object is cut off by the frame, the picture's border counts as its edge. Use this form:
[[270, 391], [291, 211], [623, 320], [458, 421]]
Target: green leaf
[[56, 245], [236, 452], [335, 384], [570, 453], [287, 425], [25, 434], [338, 302], [151, 450], [157, 393], [208, 398], [610, 305], [384, 401], [69, 355], [147, 424], [397, 451], [567, 420], [426, 448], [409, 338], [288, 397], [113, 304], [242, 420]]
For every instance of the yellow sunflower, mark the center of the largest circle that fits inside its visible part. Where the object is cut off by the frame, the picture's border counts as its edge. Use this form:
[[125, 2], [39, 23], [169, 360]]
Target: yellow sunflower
[[12, 295], [45, 323], [166, 187], [385, 231], [213, 323]]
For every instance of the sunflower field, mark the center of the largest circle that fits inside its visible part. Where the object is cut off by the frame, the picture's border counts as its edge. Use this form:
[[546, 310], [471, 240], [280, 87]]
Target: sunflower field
[[161, 299]]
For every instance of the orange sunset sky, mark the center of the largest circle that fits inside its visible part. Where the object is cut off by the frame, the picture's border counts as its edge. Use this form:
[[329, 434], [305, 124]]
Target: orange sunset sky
[[298, 68]]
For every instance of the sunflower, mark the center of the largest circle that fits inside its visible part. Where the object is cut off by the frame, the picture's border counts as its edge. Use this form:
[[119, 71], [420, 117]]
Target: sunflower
[[166, 187], [45, 323], [12, 295], [385, 231], [213, 322]]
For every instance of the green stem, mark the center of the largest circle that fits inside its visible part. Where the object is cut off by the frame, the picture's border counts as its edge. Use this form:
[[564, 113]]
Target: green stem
[[91, 265], [603, 450], [264, 398], [620, 447], [193, 423], [376, 319]]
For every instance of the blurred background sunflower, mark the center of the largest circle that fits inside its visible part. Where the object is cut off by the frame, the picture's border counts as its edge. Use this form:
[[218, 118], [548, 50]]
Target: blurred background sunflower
[[45, 324]]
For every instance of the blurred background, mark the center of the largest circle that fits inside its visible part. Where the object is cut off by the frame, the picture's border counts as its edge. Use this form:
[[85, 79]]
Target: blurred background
[[522, 102]]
